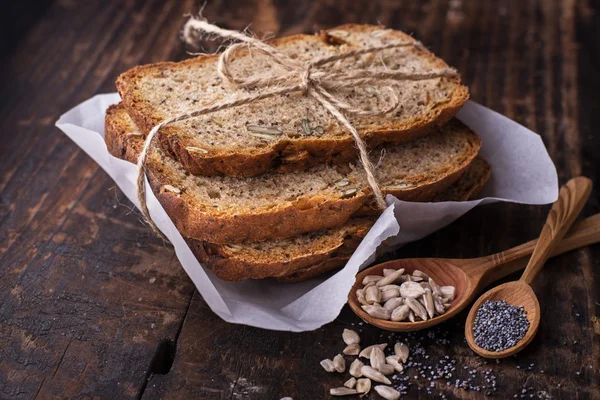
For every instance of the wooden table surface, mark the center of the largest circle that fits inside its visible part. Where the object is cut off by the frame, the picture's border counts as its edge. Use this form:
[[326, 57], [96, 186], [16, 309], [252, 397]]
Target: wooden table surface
[[94, 306]]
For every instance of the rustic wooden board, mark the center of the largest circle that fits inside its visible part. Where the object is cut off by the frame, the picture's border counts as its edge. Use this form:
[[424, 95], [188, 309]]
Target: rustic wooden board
[[93, 306]]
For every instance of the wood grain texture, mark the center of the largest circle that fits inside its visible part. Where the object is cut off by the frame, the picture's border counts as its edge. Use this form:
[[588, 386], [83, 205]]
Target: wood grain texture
[[93, 306]]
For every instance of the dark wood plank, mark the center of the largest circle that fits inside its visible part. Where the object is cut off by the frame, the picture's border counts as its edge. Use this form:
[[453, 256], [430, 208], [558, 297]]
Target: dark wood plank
[[93, 306]]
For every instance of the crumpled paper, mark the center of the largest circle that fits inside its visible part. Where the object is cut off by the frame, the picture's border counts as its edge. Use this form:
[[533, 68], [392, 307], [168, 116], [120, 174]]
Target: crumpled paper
[[522, 173]]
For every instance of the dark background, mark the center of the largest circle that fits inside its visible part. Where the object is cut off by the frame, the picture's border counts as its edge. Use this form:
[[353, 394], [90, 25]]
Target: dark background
[[93, 306]]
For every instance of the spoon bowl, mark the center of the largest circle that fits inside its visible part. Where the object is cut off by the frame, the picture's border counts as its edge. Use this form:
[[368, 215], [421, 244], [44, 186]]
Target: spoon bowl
[[516, 293], [442, 271]]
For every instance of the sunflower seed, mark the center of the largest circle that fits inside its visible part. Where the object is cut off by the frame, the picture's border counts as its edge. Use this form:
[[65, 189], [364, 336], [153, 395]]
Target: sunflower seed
[[389, 294], [411, 316], [196, 149], [425, 285], [363, 385], [386, 369], [234, 247], [339, 363], [350, 383], [172, 189], [342, 183], [391, 278], [371, 278], [368, 285], [447, 306], [401, 350], [377, 358], [366, 352], [393, 361], [265, 130], [361, 297], [447, 291], [400, 313], [420, 274], [327, 365], [387, 287], [352, 349], [428, 299], [388, 271], [392, 304], [435, 288], [306, 126], [350, 337], [417, 308], [342, 391], [411, 290], [437, 303], [407, 278], [416, 278], [355, 368], [374, 375], [372, 295], [346, 194], [377, 311], [263, 136], [387, 392]]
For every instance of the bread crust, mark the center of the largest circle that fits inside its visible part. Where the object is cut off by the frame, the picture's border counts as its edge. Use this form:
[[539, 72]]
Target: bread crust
[[284, 155]]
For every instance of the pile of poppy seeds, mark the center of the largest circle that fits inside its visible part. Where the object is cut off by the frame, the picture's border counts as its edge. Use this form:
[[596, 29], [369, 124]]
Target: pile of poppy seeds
[[499, 326]]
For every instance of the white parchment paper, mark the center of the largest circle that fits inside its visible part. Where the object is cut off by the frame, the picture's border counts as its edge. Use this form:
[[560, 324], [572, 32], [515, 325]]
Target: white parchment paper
[[522, 173]]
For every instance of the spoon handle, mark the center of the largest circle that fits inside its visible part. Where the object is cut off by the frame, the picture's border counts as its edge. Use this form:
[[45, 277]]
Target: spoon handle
[[571, 199]]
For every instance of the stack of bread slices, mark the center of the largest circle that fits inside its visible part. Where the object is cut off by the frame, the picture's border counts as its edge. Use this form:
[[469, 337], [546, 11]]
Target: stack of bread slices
[[274, 188]]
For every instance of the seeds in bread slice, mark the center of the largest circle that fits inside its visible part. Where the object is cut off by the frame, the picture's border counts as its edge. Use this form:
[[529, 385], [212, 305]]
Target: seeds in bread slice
[[277, 206], [228, 142], [313, 253]]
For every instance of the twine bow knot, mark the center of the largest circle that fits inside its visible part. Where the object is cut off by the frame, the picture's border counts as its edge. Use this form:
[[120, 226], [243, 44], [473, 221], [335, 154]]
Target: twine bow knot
[[306, 77]]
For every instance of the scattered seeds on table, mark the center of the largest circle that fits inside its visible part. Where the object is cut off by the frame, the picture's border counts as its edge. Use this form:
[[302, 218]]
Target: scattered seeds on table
[[350, 337], [350, 383], [342, 391], [376, 358], [355, 368], [366, 352], [374, 375], [327, 365], [400, 349], [394, 362], [363, 385], [352, 349], [387, 392], [386, 369], [339, 363]]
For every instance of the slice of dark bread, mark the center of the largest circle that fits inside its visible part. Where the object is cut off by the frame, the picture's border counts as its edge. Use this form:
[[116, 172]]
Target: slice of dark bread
[[221, 143], [313, 253], [278, 206]]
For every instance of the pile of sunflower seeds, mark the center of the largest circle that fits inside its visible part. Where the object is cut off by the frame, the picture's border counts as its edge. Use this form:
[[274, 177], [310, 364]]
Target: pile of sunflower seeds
[[499, 326], [397, 296], [378, 369]]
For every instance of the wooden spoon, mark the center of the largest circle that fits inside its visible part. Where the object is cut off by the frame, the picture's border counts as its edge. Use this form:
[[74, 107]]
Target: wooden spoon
[[571, 199], [469, 276]]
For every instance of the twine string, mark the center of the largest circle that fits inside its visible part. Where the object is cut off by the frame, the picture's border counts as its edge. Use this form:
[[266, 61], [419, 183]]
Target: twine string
[[309, 79]]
